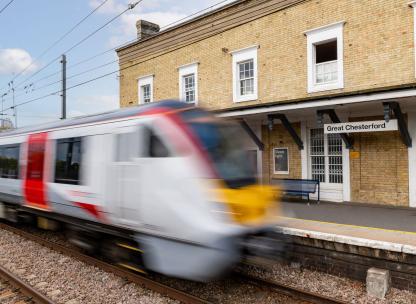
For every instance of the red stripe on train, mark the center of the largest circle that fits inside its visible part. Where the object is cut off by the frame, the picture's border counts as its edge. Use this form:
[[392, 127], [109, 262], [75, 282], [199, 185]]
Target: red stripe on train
[[34, 185]]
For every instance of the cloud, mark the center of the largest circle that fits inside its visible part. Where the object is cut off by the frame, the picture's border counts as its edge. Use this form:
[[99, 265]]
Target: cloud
[[126, 30], [13, 61], [161, 12], [85, 105]]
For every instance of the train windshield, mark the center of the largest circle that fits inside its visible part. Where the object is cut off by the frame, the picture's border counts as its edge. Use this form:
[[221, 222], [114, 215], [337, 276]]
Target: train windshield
[[225, 144]]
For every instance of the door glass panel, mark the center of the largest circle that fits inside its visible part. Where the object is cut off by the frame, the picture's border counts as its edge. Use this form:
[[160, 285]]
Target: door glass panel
[[326, 157], [317, 153], [335, 158]]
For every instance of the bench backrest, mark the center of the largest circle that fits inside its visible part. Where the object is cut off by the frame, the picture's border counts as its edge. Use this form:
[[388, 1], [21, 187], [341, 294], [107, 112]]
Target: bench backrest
[[297, 185]]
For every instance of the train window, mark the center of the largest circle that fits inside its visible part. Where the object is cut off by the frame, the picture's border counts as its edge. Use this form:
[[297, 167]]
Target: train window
[[9, 161], [156, 147], [68, 161]]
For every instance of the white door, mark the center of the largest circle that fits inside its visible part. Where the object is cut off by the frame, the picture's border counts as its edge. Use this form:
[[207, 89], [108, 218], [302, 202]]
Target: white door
[[123, 189], [326, 163]]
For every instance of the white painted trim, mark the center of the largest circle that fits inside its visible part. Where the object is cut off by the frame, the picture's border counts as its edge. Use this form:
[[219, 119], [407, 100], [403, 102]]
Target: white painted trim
[[244, 49], [412, 159], [142, 81], [325, 27], [239, 56], [304, 152], [288, 161], [187, 65], [319, 35], [145, 76], [346, 181], [185, 70], [323, 103], [346, 239]]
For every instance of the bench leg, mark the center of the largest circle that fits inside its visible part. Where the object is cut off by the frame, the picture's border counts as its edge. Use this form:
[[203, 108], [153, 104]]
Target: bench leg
[[309, 201]]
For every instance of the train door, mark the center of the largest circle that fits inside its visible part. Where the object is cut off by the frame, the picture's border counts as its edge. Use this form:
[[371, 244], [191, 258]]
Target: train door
[[34, 186], [123, 182]]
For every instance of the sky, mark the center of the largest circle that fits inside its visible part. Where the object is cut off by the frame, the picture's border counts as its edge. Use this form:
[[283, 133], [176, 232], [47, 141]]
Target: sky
[[28, 28]]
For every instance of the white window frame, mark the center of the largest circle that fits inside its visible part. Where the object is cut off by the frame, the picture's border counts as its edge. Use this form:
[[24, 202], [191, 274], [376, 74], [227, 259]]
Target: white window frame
[[142, 81], [288, 161], [186, 70], [249, 53], [319, 35]]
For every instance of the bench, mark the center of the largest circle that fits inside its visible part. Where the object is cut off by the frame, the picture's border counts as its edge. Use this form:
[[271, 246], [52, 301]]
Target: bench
[[298, 187]]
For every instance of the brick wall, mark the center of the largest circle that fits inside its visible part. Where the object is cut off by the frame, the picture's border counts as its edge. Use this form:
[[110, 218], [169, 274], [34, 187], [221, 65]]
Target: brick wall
[[378, 52], [280, 138], [380, 173]]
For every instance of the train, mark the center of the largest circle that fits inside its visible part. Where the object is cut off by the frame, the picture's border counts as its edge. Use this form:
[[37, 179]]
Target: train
[[163, 187]]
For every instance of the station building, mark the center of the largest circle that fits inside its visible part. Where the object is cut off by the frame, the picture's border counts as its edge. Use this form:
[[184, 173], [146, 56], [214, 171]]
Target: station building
[[293, 70]]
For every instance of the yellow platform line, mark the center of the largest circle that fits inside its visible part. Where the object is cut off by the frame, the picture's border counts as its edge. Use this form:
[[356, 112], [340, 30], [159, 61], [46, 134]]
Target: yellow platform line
[[350, 225]]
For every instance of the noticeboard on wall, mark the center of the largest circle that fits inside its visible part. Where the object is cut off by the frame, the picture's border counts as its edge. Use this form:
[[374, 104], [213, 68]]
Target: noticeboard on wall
[[281, 160]]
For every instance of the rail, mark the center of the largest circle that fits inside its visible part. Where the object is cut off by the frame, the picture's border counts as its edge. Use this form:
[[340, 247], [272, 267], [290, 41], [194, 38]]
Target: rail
[[24, 288], [290, 290], [173, 293], [134, 278]]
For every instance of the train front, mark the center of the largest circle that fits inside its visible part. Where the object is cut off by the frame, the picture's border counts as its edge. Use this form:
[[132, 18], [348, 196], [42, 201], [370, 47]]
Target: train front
[[239, 209]]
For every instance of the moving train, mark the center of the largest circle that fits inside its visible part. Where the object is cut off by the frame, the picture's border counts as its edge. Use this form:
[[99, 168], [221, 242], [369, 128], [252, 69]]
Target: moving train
[[163, 187]]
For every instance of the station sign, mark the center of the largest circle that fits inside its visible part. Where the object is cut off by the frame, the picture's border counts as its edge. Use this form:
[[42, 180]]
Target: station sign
[[361, 126]]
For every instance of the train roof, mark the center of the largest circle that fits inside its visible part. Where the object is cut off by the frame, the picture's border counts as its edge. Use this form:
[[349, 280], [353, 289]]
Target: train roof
[[111, 115]]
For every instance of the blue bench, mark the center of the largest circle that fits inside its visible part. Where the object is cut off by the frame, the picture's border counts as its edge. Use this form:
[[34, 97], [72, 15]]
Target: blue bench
[[298, 187]]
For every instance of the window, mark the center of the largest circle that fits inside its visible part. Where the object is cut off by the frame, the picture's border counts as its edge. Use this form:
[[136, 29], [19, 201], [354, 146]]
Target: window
[[325, 58], [245, 74], [154, 145], [146, 93], [145, 89], [68, 161], [188, 83], [326, 157], [189, 88], [326, 62], [9, 161]]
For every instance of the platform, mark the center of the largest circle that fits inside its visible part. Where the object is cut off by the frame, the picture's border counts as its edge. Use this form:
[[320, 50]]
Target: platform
[[371, 226], [349, 238]]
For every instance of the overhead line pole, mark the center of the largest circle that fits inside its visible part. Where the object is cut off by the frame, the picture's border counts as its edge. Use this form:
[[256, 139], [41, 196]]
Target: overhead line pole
[[11, 85], [63, 95]]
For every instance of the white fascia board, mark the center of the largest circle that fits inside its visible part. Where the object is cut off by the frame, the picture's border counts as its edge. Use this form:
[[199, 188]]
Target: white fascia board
[[322, 103]]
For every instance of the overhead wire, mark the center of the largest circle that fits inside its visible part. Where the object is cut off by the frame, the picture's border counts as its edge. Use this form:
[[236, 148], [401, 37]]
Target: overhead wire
[[89, 80], [6, 6], [129, 7], [56, 42], [132, 40]]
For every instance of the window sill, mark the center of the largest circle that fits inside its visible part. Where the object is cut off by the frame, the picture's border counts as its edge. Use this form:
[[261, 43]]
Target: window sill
[[325, 87], [252, 97]]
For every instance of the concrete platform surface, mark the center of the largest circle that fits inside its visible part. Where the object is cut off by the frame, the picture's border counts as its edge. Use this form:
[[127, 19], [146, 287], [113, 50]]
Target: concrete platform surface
[[375, 227]]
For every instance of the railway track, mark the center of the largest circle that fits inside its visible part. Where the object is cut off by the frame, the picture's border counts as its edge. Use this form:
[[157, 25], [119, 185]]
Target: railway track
[[14, 290], [273, 287]]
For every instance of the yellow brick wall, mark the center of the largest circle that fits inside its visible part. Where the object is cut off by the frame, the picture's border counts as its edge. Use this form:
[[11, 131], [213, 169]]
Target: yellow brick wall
[[378, 52], [280, 138], [380, 172]]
